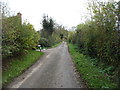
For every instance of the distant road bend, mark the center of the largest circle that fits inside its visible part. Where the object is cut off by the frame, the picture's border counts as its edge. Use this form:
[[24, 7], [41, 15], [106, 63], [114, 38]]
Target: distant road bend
[[54, 70]]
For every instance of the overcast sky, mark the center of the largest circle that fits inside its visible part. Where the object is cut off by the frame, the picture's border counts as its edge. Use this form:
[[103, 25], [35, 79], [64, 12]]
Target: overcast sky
[[66, 12]]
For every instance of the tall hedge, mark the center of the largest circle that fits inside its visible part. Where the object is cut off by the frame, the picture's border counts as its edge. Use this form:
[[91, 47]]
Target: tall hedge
[[17, 37], [100, 37]]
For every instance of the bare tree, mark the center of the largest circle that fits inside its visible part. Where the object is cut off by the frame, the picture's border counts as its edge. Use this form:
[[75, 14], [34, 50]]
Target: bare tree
[[4, 9]]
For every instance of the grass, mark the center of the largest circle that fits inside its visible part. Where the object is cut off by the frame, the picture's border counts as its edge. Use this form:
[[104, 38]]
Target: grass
[[90, 73], [53, 46], [18, 65], [56, 45]]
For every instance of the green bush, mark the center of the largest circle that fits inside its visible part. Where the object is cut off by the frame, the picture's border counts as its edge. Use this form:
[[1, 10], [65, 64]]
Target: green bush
[[44, 42], [17, 37], [99, 38]]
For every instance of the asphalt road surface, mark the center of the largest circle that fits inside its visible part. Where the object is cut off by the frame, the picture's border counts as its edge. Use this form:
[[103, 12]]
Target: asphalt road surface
[[55, 69]]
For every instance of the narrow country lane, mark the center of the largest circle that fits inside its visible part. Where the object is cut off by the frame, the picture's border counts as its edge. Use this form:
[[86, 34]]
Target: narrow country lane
[[54, 70]]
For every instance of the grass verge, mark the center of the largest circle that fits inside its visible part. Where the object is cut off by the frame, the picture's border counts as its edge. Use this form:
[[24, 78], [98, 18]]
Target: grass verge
[[90, 73], [53, 46], [18, 65], [56, 45]]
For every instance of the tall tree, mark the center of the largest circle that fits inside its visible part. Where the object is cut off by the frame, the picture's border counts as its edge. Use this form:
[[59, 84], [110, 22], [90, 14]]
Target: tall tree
[[48, 26]]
